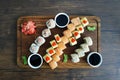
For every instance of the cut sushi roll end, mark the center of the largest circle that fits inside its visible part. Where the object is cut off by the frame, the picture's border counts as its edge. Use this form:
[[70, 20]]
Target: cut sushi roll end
[[76, 34], [40, 41], [75, 58], [47, 58], [53, 64], [46, 33], [34, 48], [53, 44], [72, 41], [57, 38], [89, 41], [84, 21], [50, 51], [80, 28], [50, 24]]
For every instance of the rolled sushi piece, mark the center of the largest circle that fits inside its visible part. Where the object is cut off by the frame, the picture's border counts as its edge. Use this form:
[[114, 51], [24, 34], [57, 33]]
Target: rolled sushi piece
[[76, 21], [67, 33], [58, 51], [89, 41], [85, 47], [34, 48], [75, 58], [53, 64], [84, 21], [47, 58], [50, 24], [46, 33], [72, 41], [65, 40], [53, 44], [50, 51], [76, 34], [62, 46], [80, 52], [57, 38], [80, 28], [40, 41], [56, 58], [71, 27]]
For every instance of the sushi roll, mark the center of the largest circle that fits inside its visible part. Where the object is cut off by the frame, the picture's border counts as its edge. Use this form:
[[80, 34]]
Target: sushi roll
[[34, 48], [85, 47], [46, 33], [50, 24], [84, 21], [58, 51], [71, 27], [50, 51], [57, 38], [89, 41], [62, 46], [56, 58], [80, 28], [80, 52], [65, 40], [40, 41], [67, 33], [53, 44], [76, 21], [72, 41], [47, 58], [75, 58], [53, 64], [76, 34]]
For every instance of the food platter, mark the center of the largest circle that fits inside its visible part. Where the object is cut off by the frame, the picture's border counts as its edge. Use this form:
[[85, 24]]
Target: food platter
[[24, 41]]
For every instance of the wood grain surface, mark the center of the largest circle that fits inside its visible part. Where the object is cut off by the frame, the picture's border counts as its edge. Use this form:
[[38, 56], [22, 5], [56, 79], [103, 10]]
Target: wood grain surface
[[107, 10], [24, 41]]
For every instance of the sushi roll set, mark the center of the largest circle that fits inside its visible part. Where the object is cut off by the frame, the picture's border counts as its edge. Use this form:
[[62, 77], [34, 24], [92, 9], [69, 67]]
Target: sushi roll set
[[80, 52]]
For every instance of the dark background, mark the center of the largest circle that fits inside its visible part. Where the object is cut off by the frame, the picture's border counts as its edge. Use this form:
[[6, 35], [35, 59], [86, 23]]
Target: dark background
[[107, 10]]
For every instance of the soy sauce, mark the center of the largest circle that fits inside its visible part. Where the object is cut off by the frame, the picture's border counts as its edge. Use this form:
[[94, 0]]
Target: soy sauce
[[62, 20], [35, 60], [94, 59]]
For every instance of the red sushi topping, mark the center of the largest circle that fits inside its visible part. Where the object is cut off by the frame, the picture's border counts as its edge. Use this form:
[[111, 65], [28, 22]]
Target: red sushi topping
[[84, 21], [73, 40], [80, 29], [51, 51], [28, 27], [76, 34], [47, 58], [54, 44], [57, 38]]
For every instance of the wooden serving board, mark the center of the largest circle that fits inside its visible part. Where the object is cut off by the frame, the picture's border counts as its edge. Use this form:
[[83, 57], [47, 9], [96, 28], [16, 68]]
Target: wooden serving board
[[24, 41]]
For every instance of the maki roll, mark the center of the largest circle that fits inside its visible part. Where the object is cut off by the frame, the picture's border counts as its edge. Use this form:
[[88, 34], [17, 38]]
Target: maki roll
[[80, 28], [65, 40], [84, 21], [46, 33], [80, 52], [85, 47], [50, 24], [56, 58], [58, 51], [75, 58], [47, 58], [76, 21], [71, 27], [53, 64], [76, 34], [62, 46], [40, 41], [34, 48], [89, 41], [72, 41], [53, 44], [57, 38], [67, 33], [50, 51]]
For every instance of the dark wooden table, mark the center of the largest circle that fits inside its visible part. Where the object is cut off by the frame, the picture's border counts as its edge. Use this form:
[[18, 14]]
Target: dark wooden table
[[107, 10]]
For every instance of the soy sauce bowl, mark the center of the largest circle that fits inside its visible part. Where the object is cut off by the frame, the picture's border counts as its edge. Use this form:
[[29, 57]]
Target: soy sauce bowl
[[35, 61], [62, 20]]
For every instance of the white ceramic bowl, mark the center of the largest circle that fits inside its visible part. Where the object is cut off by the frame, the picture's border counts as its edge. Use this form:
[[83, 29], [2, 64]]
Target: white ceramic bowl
[[99, 62], [35, 67], [66, 16]]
